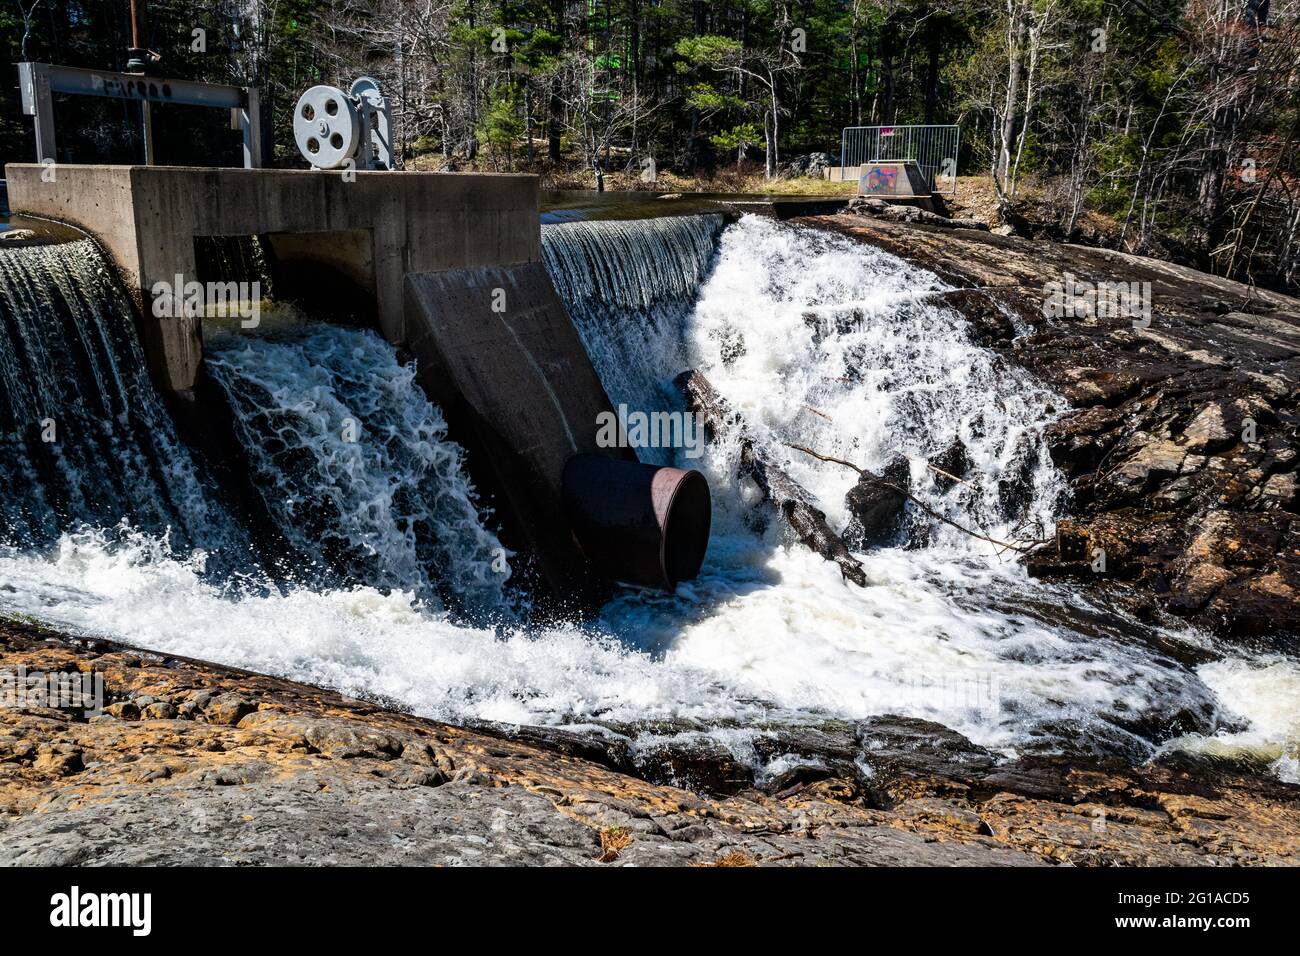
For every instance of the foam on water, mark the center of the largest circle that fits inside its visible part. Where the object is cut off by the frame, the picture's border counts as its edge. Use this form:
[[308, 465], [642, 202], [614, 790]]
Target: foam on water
[[1264, 694], [784, 322], [787, 640], [354, 465]]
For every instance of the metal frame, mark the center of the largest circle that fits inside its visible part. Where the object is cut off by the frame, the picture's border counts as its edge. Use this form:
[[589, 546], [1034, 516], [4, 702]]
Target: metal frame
[[376, 125], [40, 81], [927, 146]]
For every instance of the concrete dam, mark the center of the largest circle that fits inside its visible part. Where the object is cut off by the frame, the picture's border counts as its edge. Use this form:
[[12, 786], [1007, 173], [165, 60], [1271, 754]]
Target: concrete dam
[[396, 485], [448, 269]]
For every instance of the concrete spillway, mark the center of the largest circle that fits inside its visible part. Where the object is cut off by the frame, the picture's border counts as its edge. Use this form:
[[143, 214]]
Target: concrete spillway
[[452, 265]]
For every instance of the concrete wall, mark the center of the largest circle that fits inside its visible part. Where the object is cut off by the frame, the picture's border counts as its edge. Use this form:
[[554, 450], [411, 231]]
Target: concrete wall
[[147, 218], [496, 349]]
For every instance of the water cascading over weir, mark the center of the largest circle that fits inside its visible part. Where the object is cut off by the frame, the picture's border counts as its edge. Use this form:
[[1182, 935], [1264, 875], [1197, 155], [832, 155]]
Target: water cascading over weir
[[84, 436], [448, 269]]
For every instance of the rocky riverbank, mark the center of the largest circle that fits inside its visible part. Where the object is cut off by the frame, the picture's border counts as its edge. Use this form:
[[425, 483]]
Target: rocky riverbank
[[1179, 435], [191, 763]]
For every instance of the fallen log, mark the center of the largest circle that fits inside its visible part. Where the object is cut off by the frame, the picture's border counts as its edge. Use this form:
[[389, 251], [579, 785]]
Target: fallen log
[[786, 494], [1024, 547]]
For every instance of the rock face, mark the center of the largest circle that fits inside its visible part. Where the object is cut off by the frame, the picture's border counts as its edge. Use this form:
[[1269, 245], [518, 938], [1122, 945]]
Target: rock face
[[875, 505], [898, 212], [1179, 430], [168, 775], [813, 165], [950, 465]]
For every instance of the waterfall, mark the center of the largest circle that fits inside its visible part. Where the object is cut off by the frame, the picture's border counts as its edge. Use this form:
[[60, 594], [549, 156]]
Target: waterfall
[[354, 465], [817, 340], [84, 437], [843, 348], [820, 341], [630, 288], [633, 264]]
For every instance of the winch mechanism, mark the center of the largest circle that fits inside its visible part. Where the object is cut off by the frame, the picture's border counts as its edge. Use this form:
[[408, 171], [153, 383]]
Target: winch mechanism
[[335, 130]]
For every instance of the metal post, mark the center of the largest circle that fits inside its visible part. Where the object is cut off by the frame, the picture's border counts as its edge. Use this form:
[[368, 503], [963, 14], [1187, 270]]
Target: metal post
[[34, 81], [250, 126], [146, 130]]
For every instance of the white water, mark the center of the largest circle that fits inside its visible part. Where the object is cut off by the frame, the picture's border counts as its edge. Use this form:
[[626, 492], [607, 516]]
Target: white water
[[83, 434], [1264, 693], [354, 465], [947, 632]]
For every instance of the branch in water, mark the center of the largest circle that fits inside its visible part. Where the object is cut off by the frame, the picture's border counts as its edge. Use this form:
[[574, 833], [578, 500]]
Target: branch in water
[[791, 501], [1021, 546]]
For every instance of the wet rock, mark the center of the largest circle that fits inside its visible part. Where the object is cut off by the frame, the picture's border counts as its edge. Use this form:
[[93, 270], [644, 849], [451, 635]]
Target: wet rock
[[1207, 431], [955, 460], [1174, 494], [1141, 471], [875, 505], [1170, 422], [899, 752], [1280, 491], [884, 791], [1015, 487], [1079, 441], [987, 318], [694, 763]]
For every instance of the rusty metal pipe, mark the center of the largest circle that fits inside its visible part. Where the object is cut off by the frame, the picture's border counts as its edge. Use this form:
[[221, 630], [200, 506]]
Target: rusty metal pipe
[[638, 524]]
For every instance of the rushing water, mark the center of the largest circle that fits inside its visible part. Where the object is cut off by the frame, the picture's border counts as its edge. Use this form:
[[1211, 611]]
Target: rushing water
[[820, 342], [84, 438], [354, 466]]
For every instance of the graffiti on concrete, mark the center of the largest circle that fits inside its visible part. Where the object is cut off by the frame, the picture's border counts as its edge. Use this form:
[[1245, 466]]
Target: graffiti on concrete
[[880, 180]]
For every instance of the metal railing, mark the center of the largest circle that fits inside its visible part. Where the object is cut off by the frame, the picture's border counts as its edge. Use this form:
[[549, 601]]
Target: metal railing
[[932, 148]]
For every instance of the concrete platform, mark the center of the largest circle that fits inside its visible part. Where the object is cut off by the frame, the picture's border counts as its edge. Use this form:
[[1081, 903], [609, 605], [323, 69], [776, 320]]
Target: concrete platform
[[886, 179], [496, 350], [146, 217]]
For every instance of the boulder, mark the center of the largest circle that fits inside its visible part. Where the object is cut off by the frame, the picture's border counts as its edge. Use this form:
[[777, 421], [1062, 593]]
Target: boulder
[[955, 460], [879, 209], [876, 508], [812, 165]]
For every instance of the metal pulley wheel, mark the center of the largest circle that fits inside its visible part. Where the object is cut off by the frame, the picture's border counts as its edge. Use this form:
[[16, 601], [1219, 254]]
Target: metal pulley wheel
[[326, 126]]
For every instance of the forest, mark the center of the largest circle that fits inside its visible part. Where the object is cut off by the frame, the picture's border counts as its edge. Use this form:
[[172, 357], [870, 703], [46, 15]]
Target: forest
[[1175, 121]]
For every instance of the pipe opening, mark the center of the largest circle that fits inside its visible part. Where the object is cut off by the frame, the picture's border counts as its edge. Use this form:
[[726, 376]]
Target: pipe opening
[[686, 528], [638, 524]]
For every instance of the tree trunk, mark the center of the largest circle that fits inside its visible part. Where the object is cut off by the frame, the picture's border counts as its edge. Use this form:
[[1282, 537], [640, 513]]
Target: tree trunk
[[790, 500], [528, 118], [1015, 54], [556, 106], [773, 147]]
